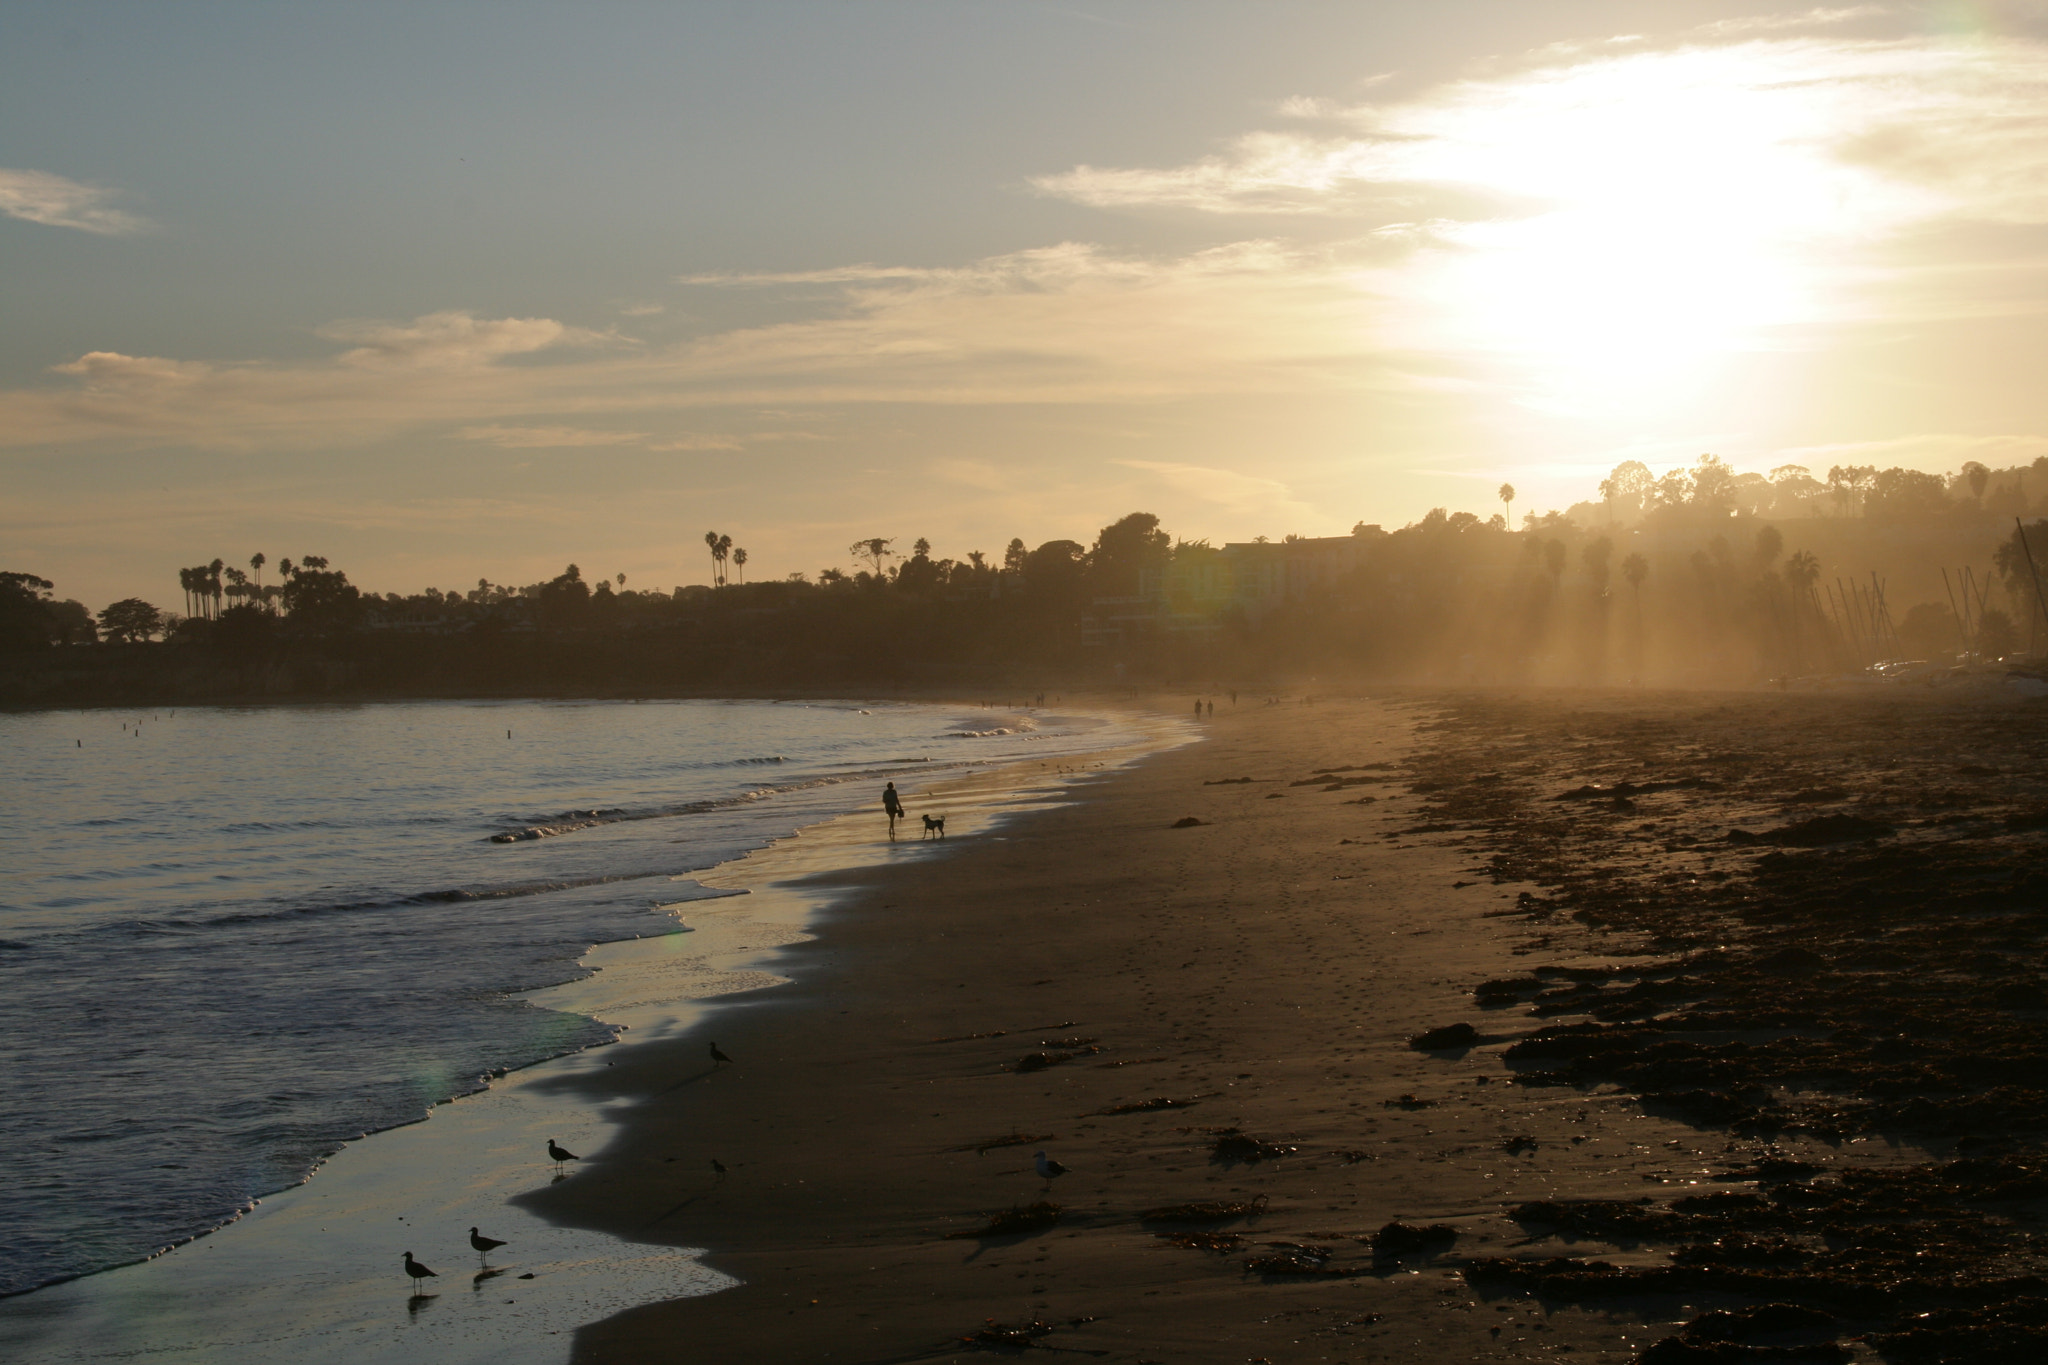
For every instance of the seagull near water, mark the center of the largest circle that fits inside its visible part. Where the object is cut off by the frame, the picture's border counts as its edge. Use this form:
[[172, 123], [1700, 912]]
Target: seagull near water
[[1047, 1167], [416, 1270], [484, 1245], [559, 1154], [719, 1057]]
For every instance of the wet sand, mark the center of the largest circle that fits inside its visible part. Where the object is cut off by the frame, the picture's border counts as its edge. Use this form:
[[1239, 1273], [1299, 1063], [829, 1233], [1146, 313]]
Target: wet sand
[[1229, 1013]]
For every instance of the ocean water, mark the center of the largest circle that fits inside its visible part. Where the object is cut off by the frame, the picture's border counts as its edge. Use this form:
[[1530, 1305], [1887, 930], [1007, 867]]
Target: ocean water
[[232, 939]]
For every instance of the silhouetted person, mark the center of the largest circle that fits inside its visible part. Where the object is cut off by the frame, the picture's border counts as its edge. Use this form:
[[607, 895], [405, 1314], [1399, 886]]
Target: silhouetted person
[[892, 804]]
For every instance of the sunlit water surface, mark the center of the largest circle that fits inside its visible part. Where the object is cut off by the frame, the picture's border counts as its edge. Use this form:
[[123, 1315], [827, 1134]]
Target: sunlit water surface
[[241, 937]]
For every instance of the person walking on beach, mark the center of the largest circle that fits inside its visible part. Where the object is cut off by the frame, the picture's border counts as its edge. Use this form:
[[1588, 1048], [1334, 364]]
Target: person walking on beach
[[892, 804]]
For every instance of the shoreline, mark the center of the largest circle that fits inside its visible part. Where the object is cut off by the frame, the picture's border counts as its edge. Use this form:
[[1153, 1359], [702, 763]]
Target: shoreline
[[1220, 1013], [633, 986]]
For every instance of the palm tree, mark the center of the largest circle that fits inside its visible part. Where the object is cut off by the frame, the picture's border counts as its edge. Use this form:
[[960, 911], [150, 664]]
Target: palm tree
[[256, 562], [739, 561], [213, 584], [1800, 572], [722, 553], [711, 541], [1507, 498], [238, 584], [1635, 569]]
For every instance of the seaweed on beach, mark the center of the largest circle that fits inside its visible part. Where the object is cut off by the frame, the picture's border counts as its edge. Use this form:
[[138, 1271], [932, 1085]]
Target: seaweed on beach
[[1233, 1144], [1397, 1239], [1772, 1331], [1445, 1038], [1205, 1212], [1015, 1221], [1877, 969], [1001, 1334], [1294, 1260], [1202, 1241], [1152, 1105]]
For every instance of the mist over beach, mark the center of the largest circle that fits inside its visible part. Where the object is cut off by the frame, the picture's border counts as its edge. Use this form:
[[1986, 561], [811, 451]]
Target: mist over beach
[[1188, 681]]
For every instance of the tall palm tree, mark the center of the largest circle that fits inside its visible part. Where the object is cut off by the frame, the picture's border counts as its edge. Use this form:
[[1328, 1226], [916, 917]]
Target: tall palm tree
[[1635, 569], [739, 561], [213, 585], [256, 562], [721, 552], [1507, 499], [1800, 571], [711, 540]]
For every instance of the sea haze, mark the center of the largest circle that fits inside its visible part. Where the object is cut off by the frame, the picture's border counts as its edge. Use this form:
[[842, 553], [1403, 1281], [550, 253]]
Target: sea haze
[[242, 936]]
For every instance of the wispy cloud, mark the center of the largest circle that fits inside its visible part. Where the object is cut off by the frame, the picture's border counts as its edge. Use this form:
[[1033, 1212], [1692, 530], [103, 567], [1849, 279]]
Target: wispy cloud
[[551, 438], [52, 200], [1066, 324], [1903, 128], [1245, 494], [843, 274], [450, 340], [1776, 23], [699, 440]]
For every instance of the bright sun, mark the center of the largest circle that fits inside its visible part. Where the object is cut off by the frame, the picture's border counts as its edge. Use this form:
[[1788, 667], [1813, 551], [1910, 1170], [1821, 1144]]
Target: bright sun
[[1659, 214]]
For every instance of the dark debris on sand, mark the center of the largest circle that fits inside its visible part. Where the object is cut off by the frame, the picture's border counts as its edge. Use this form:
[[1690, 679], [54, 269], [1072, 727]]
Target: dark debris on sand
[[1878, 968]]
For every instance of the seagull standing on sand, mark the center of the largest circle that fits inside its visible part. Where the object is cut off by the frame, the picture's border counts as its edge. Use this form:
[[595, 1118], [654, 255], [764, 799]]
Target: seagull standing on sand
[[719, 1057], [415, 1269], [484, 1245], [560, 1154], [1047, 1167]]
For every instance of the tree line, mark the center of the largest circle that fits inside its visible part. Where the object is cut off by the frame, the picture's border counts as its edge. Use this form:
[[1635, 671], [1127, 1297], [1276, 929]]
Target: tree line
[[1685, 576]]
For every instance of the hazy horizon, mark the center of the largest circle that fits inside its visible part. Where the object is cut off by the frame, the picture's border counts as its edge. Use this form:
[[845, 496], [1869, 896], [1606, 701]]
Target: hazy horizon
[[476, 289]]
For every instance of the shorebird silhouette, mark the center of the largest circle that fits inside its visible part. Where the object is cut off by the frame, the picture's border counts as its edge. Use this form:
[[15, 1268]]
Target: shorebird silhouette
[[718, 1168], [416, 1270], [484, 1245], [1047, 1167], [560, 1154], [719, 1057]]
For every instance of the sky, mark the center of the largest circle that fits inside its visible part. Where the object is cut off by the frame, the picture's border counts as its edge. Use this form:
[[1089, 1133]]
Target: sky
[[455, 291]]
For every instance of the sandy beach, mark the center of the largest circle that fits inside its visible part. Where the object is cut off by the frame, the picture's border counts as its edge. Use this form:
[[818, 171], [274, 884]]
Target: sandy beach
[[1223, 1013], [1655, 1027]]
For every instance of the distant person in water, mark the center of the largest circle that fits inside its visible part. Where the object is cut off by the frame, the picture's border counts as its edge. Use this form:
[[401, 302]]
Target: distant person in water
[[893, 804]]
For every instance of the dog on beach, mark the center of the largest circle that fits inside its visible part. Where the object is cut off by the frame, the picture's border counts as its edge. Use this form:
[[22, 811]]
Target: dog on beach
[[934, 825]]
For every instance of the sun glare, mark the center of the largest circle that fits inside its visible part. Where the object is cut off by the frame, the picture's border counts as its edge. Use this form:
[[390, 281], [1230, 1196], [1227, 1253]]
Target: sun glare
[[1661, 212]]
